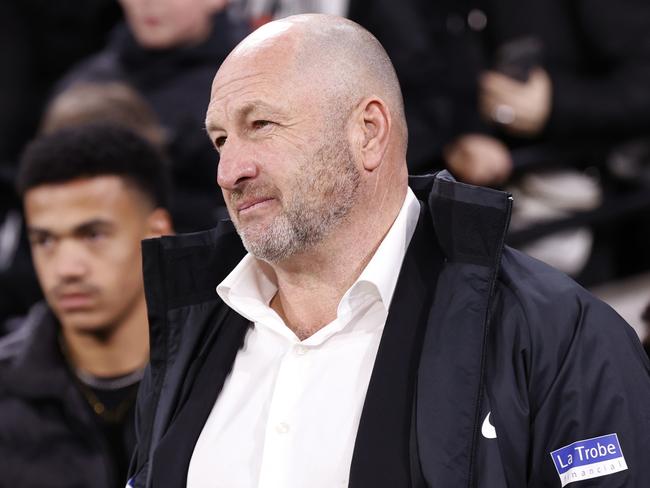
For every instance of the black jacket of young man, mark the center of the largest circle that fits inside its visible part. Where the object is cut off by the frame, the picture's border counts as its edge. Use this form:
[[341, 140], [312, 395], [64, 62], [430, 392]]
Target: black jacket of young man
[[48, 436], [488, 363]]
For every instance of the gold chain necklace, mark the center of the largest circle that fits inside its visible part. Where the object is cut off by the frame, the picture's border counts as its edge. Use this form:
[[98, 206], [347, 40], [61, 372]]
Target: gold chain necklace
[[113, 415]]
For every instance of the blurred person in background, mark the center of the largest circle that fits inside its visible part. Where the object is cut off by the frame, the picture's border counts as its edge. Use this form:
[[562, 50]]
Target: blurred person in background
[[69, 374], [562, 87], [566, 74], [39, 41], [168, 51], [112, 102], [84, 103]]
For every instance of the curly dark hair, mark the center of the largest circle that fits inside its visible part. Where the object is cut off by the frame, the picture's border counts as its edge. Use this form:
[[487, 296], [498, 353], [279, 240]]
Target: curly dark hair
[[97, 149]]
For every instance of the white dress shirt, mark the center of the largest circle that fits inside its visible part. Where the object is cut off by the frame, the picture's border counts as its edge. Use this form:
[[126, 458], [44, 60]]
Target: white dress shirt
[[289, 411]]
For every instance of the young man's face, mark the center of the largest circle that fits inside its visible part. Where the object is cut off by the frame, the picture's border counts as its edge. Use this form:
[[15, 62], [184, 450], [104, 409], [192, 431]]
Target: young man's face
[[85, 237], [162, 24]]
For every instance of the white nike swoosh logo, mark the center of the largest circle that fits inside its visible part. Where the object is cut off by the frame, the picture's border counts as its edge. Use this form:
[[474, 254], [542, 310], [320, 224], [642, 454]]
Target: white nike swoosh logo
[[487, 429]]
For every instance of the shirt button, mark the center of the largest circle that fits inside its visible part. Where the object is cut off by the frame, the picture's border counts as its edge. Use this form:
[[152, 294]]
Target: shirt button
[[282, 428], [300, 350]]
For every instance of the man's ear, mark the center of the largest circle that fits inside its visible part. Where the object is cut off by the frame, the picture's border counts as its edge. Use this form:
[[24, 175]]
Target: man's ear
[[159, 223], [375, 124]]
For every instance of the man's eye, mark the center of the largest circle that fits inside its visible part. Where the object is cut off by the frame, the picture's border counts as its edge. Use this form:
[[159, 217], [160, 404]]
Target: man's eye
[[41, 240], [260, 124], [94, 235], [220, 141]]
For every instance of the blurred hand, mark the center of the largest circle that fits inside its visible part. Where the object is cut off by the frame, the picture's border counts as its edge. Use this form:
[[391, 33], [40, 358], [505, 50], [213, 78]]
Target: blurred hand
[[520, 108], [479, 160]]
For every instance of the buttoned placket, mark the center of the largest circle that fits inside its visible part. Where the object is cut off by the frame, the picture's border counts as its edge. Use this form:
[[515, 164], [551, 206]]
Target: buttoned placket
[[290, 383]]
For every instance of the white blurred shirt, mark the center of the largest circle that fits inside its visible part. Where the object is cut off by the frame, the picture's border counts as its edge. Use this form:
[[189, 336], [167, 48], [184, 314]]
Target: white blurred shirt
[[289, 411]]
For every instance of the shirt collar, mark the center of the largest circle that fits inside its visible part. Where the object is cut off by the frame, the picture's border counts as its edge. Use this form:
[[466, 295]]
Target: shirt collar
[[382, 271], [248, 286]]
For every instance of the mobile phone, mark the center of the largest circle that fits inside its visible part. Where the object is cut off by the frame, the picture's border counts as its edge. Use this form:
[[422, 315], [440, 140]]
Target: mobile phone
[[517, 57]]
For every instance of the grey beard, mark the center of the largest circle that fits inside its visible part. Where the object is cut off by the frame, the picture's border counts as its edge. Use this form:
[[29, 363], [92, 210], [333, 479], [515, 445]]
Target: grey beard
[[325, 192]]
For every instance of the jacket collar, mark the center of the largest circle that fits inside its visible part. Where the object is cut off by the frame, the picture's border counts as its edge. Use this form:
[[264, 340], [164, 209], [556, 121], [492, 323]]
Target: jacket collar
[[385, 452], [471, 225]]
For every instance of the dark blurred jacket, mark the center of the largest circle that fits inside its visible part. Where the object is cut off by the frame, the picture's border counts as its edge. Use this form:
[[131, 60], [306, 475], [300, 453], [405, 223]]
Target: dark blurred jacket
[[176, 82], [39, 41], [48, 436]]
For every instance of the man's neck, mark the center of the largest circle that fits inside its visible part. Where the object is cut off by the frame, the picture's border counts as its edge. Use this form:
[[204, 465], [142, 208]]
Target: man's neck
[[115, 352], [311, 285]]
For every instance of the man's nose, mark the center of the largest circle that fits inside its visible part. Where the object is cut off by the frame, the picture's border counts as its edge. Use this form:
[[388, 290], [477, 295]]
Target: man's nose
[[70, 262], [236, 165]]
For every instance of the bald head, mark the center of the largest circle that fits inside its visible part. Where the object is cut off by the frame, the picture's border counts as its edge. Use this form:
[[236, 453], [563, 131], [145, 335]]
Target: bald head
[[308, 119], [340, 61]]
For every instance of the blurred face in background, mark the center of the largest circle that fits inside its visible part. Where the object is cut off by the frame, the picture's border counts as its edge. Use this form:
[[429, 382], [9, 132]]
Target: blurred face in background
[[85, 238], [162, 24]]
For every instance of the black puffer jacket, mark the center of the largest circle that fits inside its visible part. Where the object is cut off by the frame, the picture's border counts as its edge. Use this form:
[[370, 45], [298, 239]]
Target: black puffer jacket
[[48, 436], [489, 363]]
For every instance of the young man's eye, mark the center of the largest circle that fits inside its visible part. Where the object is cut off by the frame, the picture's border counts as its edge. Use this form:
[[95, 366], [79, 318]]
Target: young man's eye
[[41, 240], [94, 235]]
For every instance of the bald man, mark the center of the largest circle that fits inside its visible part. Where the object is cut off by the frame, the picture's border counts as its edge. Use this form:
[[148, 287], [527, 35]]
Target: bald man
[[371, 331]]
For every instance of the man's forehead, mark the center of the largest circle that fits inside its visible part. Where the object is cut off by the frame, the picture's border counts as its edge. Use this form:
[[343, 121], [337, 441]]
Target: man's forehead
[[270, 59], [269, 49], [253, 83]]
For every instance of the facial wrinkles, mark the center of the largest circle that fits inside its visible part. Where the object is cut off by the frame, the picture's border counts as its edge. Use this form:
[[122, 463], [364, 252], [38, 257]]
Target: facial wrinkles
[[324, 191], [231, 95], [253, 191], [240, 100]]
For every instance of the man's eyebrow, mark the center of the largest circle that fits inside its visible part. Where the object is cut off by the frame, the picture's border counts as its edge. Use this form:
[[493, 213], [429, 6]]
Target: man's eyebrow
[[93, 224], [31, 230], [249, 107], [78, 229], [244, 111]]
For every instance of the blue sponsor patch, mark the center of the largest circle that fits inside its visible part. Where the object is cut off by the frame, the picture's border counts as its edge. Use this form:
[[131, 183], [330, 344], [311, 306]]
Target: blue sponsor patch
[[591, 458]]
